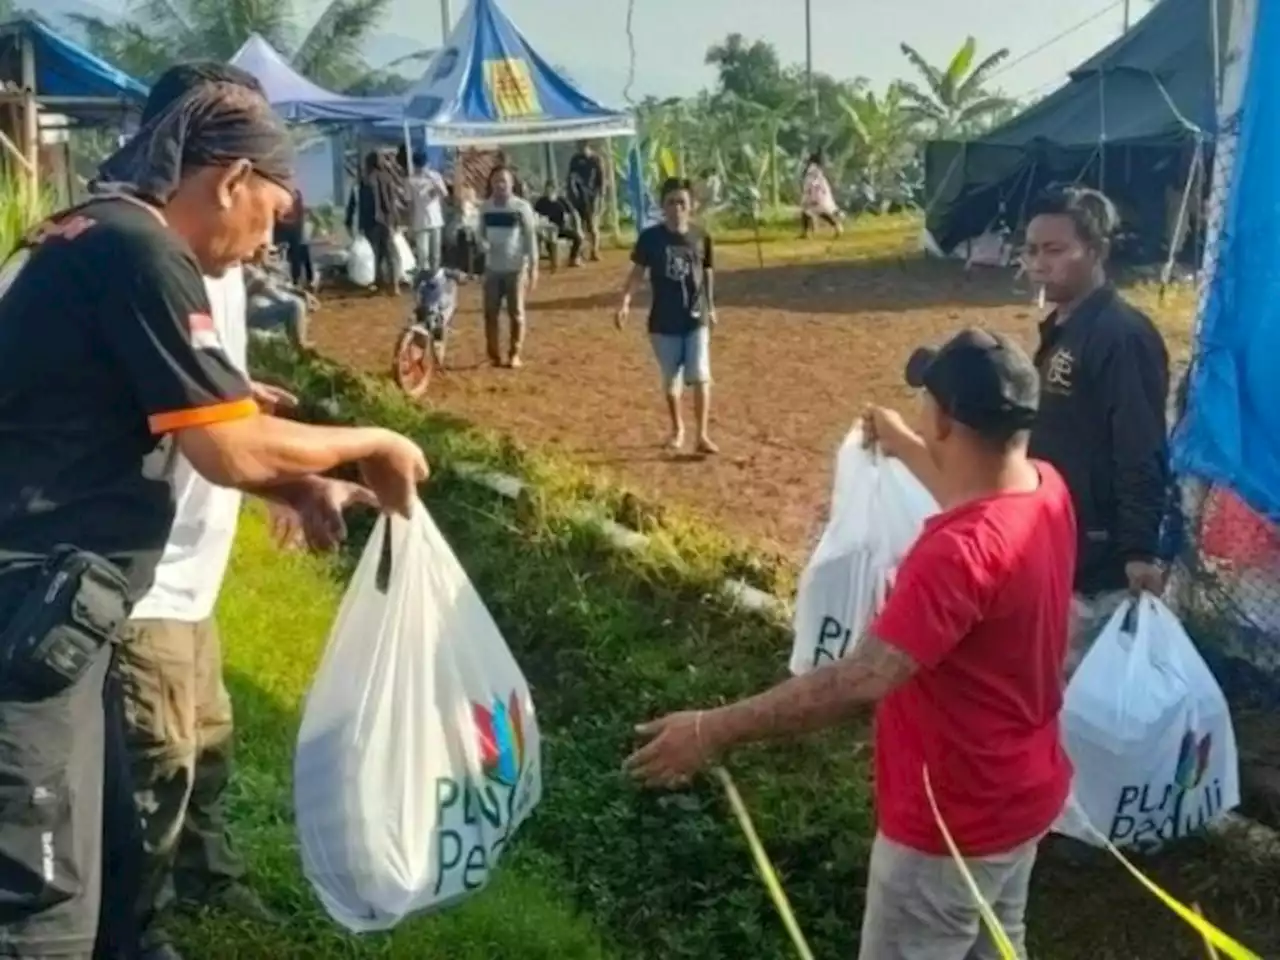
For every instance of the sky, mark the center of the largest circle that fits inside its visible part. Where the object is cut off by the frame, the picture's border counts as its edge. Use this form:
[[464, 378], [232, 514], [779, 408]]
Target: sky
[[850, 37]]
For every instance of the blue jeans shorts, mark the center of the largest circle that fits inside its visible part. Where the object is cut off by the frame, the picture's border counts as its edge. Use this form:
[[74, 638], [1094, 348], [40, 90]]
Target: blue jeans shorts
[[683, 358]]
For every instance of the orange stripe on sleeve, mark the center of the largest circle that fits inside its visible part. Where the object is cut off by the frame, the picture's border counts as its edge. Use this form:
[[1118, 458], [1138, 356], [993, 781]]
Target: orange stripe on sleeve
[[161, 423]]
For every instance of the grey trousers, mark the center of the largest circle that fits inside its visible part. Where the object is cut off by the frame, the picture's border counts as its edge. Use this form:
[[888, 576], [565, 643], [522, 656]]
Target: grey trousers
[[919, 907]]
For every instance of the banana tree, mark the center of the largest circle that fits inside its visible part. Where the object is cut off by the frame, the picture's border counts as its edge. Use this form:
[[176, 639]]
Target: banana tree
[[954, 97], [882, 137]]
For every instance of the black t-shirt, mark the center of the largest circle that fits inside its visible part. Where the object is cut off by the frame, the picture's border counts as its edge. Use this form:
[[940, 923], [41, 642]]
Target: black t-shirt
[[107, 344], [555, 210], [677, 265], [586, 178]]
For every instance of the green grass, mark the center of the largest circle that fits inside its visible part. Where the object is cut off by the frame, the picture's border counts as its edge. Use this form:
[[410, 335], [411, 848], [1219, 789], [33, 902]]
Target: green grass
[[275, 617], [604, 870]]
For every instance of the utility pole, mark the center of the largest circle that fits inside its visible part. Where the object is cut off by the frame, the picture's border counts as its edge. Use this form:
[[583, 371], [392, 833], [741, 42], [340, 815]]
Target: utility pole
[[1126, 16], [446, 21], [808, 55]]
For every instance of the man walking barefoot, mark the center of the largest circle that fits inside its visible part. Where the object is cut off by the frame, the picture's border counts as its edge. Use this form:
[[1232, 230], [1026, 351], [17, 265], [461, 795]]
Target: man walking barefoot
[[678, 257]]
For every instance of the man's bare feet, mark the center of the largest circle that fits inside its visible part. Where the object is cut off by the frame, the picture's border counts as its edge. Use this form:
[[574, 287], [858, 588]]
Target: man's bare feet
[[515, 363], [705, 446], [676, 441]]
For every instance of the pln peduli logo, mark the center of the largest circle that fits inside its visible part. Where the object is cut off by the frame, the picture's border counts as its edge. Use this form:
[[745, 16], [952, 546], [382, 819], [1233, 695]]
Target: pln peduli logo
[[1193, 760], [500, 729]]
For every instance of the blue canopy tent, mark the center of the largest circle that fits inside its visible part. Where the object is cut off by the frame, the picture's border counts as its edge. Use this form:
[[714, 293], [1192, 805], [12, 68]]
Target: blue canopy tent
[[298, 100], [43, 71], [487, 86]]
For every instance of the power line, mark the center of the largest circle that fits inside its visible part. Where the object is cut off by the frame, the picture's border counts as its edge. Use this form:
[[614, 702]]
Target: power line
[[1005, 67]]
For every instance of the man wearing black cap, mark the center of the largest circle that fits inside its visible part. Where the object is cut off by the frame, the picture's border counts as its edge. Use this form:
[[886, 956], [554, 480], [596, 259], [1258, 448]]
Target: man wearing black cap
[[111, 364], [964, 664]]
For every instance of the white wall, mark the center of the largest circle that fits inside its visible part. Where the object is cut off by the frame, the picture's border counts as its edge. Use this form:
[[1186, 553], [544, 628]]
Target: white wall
[[315, 172]]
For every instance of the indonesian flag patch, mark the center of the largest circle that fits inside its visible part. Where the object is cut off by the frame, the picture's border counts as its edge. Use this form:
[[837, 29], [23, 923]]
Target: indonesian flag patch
[[204, 333]]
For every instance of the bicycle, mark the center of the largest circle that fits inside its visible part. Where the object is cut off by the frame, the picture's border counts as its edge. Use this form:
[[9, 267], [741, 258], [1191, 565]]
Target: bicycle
[[421, 346]]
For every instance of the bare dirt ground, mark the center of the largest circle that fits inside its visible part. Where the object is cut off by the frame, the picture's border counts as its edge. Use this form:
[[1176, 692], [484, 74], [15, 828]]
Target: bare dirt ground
[[802, 344]]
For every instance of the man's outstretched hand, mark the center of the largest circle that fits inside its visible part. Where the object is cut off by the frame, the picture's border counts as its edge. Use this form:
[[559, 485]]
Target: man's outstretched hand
[[675, 749]]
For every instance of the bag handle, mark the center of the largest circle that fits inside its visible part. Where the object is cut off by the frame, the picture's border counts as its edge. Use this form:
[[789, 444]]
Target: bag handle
[[1130, 623], [382, 578]]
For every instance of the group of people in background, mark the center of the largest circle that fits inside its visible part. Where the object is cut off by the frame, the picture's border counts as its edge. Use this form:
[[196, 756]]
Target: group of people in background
[[502, 240]]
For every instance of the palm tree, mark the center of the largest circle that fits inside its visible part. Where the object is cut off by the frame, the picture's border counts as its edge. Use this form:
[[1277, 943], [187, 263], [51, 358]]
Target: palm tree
[[157, 33], [954, 100]]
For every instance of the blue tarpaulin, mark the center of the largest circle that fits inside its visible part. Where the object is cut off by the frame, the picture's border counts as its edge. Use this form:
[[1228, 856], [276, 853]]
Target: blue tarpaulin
[[79, 84], [1230, 433], [487, 85]]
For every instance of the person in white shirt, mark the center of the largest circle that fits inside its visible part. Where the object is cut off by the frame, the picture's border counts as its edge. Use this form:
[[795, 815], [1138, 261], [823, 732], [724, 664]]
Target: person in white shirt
[[426, 213]]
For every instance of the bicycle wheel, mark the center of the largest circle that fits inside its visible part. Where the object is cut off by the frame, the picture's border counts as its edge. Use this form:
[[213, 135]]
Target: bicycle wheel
[[413, 362]]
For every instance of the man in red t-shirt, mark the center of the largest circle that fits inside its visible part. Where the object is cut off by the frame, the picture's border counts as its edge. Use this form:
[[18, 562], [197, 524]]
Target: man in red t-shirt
[[965, 663]]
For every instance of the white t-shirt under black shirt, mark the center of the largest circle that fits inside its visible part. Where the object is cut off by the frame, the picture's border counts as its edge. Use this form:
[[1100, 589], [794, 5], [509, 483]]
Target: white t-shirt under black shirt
[[195, 559]]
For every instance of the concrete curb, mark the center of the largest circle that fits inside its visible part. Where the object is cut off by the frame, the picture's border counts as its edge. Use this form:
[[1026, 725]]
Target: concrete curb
[[752, 599], [624, 538]]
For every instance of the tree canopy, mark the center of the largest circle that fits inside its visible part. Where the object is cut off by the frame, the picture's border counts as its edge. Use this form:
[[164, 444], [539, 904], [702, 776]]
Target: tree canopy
[[156, 33]]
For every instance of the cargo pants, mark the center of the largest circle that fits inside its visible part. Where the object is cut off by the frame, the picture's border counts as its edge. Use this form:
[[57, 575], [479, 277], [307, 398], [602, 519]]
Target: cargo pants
[[178, 726], [67, 820]]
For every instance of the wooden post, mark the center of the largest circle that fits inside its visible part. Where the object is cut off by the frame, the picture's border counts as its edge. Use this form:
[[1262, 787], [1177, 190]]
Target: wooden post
[[611, 191], [775, 187], [30, 117]]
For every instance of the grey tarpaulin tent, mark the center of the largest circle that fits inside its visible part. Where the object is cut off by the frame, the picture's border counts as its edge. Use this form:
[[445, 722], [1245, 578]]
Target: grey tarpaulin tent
[[1131, 120]]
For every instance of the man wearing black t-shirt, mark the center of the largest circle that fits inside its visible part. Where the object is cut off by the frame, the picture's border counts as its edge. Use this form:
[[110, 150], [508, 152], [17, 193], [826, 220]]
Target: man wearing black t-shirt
[[585, 187], [678, 259], [109, 363], [561, 224]]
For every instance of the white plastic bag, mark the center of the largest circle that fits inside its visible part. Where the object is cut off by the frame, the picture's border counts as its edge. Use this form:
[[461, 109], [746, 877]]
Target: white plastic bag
[[877, 511], [1149, 733], [361, 268], [419, 754], [408, 262]]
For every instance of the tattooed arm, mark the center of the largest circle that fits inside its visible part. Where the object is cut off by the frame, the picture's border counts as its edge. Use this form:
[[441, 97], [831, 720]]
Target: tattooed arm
[[940, 593], [817, 700], [681, 743]]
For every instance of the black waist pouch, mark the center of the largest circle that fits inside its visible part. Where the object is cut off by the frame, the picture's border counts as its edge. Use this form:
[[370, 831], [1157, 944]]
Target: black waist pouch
[[76, 605]]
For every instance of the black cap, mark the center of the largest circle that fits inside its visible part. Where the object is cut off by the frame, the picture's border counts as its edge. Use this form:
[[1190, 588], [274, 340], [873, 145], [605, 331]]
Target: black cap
[[983, 380]]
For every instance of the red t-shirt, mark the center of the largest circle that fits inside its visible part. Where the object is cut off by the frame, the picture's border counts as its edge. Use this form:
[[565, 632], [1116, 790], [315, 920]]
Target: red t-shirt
[[981, 603]]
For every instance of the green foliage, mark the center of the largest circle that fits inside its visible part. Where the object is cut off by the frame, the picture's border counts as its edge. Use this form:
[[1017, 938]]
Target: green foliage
[[157, 33], [954, 101], [763, 118], [604, 871], [20, 208]]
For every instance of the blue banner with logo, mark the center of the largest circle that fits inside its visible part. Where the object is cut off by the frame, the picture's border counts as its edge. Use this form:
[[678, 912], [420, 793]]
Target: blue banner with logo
[[645, 211]]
